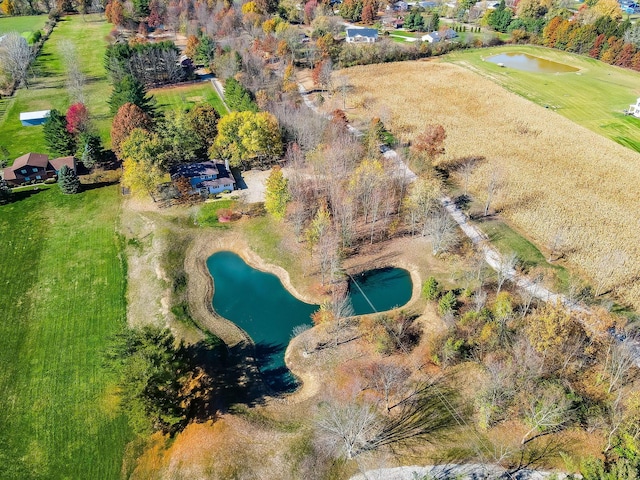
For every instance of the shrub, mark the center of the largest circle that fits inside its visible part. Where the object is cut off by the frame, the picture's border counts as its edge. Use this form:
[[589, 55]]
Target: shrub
[[431, 289], [447, 303]]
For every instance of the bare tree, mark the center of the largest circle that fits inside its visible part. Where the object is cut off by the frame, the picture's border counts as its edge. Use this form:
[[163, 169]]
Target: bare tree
[[621, 358], [388, 379], [442, 230], [479, 299], [546, 411], [16, 56], [465, 168], [426, 414], [305, 342], [75, 78], [507, 269], [495, 182]]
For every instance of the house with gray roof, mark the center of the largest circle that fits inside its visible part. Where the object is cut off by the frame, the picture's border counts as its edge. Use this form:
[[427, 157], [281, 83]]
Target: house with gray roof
[[205, 177], [362, 35]]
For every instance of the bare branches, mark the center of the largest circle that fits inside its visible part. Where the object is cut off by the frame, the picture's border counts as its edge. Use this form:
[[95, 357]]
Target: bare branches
[[16, 56], [75, 78]]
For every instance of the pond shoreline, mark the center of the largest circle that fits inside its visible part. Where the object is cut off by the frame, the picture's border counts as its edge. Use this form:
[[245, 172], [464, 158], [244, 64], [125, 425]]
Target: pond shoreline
[[200, 291]]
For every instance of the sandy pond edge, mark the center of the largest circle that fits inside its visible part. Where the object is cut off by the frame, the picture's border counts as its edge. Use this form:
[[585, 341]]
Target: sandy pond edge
[[200, 289]]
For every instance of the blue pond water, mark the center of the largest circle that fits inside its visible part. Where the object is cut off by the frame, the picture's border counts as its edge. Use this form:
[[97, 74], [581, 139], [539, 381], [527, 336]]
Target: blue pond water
[[259, 304]]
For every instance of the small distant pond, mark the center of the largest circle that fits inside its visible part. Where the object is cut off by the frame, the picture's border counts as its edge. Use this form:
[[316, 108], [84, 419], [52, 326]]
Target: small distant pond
[[259, 304], [529, 63]]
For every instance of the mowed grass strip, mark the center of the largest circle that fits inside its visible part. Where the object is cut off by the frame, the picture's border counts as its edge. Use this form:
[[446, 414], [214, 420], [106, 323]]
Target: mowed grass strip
[[47, 88], [556, 178], [184, 97], [62, 298], [594, 97], [27, 23]]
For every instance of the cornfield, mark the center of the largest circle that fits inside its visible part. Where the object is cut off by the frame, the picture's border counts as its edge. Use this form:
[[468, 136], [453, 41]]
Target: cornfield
[[556, 178]]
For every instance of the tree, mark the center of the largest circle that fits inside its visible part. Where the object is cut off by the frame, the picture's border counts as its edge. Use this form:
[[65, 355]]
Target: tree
[[277, 194], [506, 269], [77, 119], [247, 137], [68, 180], [430, 288], [141, 174], [430, 142], [237, 97], [500, 18], [89, 149], [15, 57], [546, 411], [128, 118], [114, 12], [58, 139], [203, 120], [5, 192], [75, 78], [442, 230], [130, 90], [494, 184], [158, 381]]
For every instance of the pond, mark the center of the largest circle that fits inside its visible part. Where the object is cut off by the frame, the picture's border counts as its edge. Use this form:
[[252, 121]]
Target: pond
[[529, 63], [259, 304]]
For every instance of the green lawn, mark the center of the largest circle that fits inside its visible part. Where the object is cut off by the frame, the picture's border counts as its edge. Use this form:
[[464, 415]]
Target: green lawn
[[47, 90], [593, 97], [62, 297], [22, 25], [186, 96], [507, 240]]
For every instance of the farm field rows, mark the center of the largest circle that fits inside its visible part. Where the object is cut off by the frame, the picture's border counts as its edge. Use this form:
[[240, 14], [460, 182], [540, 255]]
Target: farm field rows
[[594, 97], [556, 177], [62, 299], [186, 96], [47, 88]]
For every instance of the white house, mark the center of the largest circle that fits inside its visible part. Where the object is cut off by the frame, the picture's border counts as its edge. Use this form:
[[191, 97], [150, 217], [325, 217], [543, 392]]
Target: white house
[[433, 37], [635, 109], [362, 35]]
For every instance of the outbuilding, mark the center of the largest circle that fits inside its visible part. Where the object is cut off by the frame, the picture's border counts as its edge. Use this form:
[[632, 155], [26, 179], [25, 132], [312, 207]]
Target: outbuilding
[[32, 119]]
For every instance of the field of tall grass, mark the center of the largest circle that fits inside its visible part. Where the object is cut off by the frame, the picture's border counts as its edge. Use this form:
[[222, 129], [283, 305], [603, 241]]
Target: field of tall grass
[[557, 179]]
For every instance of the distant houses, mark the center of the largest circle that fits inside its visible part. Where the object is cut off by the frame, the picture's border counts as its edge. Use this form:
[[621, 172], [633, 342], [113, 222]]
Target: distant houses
[[205, 177], [362, 35], [435, 37], [35, 168]]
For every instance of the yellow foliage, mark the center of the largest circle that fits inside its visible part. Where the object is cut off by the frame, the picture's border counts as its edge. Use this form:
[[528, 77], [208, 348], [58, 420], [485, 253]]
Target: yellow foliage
[[250, 7]]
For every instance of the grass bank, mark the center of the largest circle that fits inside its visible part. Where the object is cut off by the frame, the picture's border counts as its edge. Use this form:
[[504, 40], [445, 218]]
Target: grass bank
[[62, 298], [186, 96], [47, 88], [593, 97]]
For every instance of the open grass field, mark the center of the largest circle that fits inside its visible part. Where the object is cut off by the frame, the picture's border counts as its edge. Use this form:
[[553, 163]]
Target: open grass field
[[47, 87], [556, 178], [186, 96], [22, 25], [594, 97], [62, 297]]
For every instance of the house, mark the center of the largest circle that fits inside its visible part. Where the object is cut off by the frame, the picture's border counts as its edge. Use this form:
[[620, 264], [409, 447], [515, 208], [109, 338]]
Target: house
[[205, 177], [31, 119], [362, 35], [399, 6], [448, 33], [433, 37], [635, 109], [35, 168]]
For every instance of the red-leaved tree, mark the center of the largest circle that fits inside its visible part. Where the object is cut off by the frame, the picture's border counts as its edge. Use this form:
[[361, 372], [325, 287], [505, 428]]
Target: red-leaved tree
[[77, 119]]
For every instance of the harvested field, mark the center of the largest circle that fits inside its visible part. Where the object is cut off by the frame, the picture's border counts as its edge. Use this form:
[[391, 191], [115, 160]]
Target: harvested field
[[555, 177]]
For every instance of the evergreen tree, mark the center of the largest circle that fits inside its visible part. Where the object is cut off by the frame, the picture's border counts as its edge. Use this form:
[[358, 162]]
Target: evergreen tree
[[5, 192], [89, 149], [68, 180], [58, 139], [130, 90], [237, 97], [277, 194]]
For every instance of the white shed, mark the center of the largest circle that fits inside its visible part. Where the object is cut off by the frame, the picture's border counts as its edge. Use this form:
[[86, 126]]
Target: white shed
[[31, 119]]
